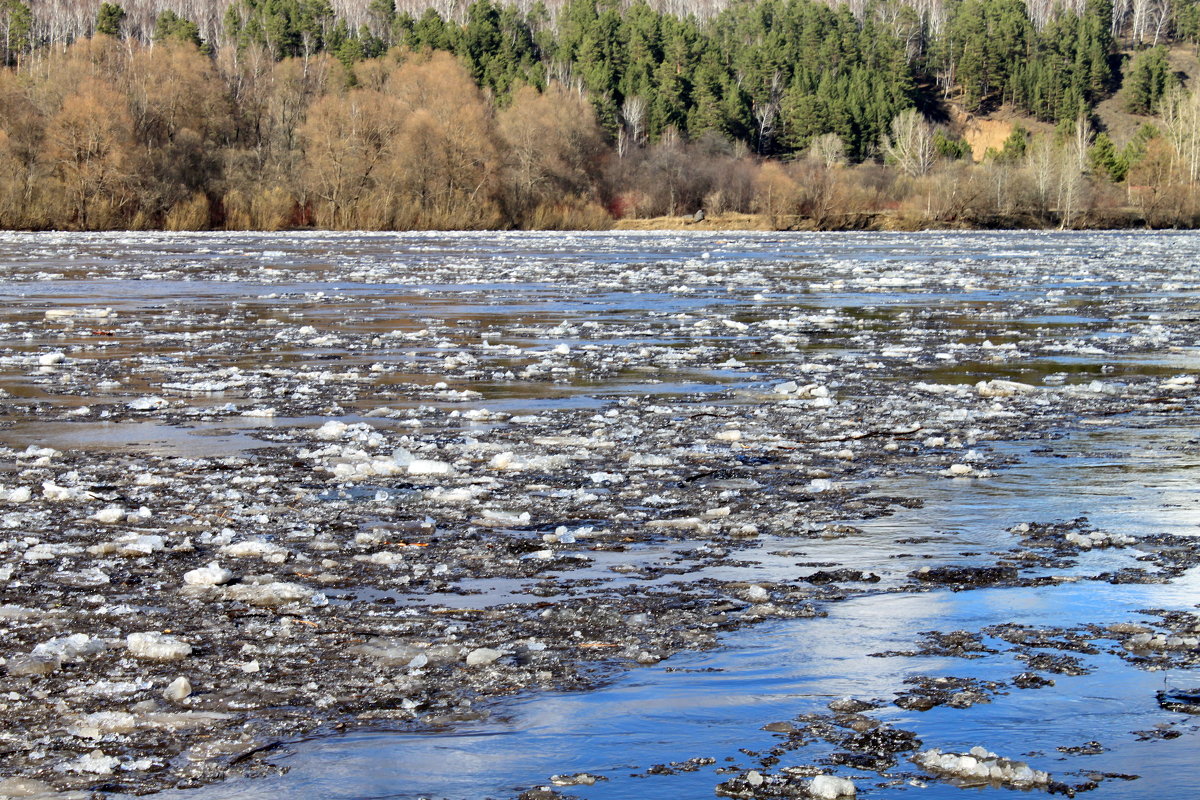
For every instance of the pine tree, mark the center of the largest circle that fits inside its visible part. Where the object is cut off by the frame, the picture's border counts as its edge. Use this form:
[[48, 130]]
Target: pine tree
[[109, 19]]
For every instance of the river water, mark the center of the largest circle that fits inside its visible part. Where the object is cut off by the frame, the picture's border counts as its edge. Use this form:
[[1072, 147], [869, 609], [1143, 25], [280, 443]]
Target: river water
[[250, 341]]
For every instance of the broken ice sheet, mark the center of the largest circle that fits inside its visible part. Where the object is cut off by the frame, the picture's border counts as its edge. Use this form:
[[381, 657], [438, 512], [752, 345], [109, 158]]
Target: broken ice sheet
[[609, 445]]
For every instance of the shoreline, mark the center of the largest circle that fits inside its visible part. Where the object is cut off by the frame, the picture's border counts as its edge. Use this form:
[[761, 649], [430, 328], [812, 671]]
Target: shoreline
[[866, 222]]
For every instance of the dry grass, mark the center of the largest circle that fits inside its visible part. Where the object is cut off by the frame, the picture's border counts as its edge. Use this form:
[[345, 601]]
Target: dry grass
[[716, 222]]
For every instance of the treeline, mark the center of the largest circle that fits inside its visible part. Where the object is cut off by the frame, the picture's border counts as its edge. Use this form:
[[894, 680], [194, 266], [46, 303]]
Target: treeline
[[111, 134], [771, 73], [517, 119]]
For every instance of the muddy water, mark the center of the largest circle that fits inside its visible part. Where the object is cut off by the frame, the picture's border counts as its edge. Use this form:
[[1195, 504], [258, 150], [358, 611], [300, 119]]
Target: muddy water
[[204, 358]]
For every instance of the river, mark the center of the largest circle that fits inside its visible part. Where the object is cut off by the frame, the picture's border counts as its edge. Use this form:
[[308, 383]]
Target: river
[[671, 436]]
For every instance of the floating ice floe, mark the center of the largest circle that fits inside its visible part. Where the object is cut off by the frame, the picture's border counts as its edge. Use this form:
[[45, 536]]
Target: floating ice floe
[[831, 787], [269, 593], [482, 656], [21, 494], [76, 647], [93, 763], [979, 766], [146, 404], [212, 575], [109, 514], [178, 690], [1002, 388], [254, 548], [156, 646], [130, 545]]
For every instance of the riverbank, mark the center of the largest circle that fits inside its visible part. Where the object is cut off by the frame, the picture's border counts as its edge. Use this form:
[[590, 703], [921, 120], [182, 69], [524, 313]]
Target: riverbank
[[883, 221]]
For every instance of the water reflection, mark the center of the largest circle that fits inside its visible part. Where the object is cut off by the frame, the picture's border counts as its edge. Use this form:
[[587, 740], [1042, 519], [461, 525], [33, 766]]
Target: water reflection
[[714, 704]]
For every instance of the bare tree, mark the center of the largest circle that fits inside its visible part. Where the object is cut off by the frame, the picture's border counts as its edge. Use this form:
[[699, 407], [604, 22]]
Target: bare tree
[[1072, 186], [1149, 20], [766, 112], [447, 160], [910, 144], [348, 144], [633, 130], [1041, 163], [1080, 143], [1181, 123], [90, 143], [552, 151], [828, 149], [1120, 15]]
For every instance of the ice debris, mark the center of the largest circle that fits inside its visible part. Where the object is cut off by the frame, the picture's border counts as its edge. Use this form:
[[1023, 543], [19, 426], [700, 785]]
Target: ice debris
[[157, 646], [831, 787], [75, 647], [482, 656], [178, 690], [212, 575], [979, 766]]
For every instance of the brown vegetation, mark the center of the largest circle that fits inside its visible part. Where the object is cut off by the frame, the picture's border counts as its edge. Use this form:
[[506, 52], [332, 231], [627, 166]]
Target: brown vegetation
[[112, 134]]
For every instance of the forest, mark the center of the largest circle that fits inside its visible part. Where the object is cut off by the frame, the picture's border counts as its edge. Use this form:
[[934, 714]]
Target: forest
[[270, 114]]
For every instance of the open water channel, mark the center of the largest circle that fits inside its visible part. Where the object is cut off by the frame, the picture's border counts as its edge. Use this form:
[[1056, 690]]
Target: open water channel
[[501, 507]]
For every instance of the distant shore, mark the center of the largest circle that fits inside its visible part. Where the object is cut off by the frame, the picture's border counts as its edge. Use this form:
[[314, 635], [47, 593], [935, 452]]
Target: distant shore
[[878, 221], [864, 221]]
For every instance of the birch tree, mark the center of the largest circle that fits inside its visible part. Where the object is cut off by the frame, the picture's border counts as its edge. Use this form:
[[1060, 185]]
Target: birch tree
[[910, 145], [1181, 124]]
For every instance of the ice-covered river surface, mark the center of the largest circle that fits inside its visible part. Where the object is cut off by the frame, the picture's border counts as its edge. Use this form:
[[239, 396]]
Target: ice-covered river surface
[[599, 515]]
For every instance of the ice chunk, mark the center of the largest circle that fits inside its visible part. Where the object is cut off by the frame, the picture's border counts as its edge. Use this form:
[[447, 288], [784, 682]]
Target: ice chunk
[[109, 515], [269, 595], [831, 787], [59, 494], [981, 765], [33, 664], [495, 517], [71, 648], [21, 494], [212, 575], [481, 656], [178, 690], [422, 466], [640, 460], [146, 404], [332, 429], [255, 548], [93, 726], [756, 594], [1001, 388], [50, 359], [30, 788], [157, 646], [131, 544], [94, 763]]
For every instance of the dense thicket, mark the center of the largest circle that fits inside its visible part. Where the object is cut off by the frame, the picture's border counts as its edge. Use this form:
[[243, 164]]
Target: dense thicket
[[287, 113]]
